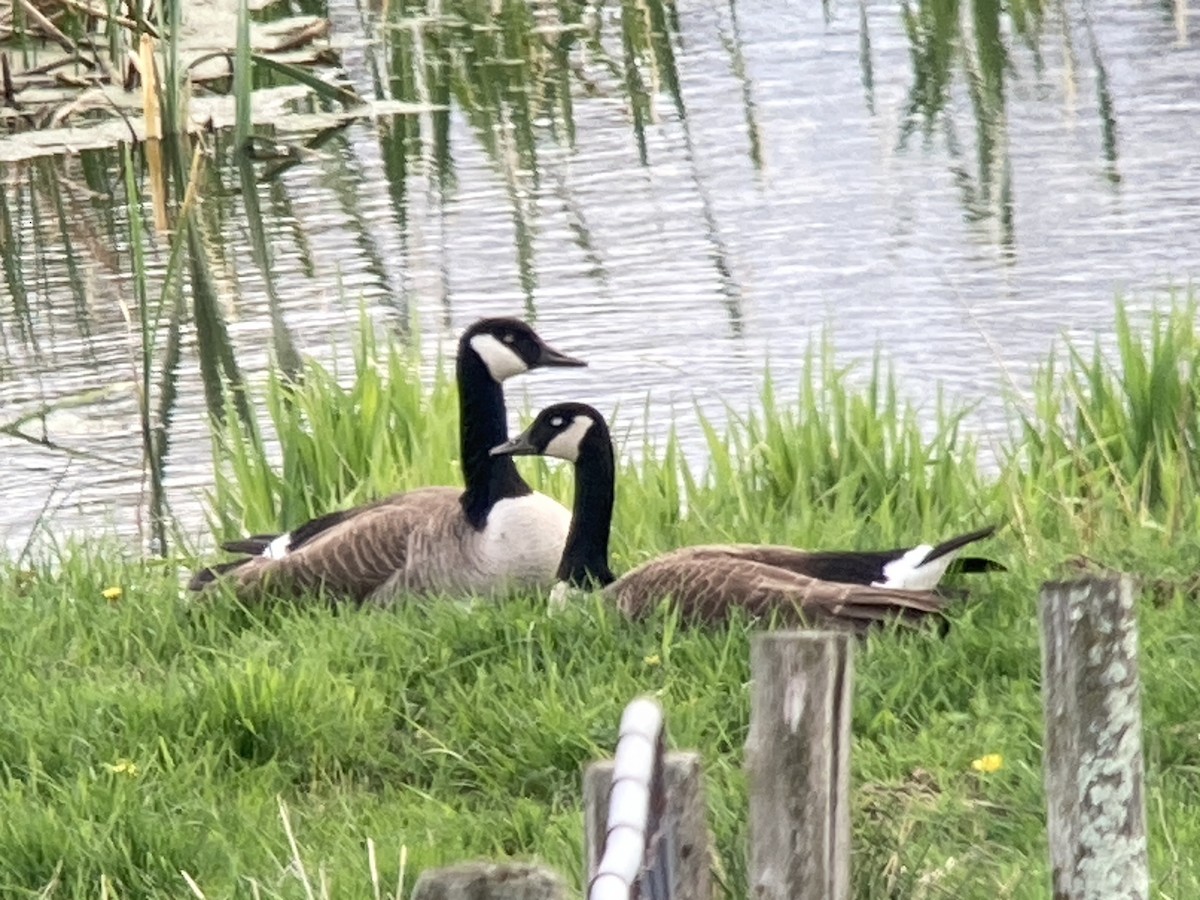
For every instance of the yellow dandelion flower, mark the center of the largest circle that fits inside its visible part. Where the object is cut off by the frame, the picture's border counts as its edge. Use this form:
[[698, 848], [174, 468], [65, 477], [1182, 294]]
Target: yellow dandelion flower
[[123, 767], [988, 763], [112, 594], [652, 660]]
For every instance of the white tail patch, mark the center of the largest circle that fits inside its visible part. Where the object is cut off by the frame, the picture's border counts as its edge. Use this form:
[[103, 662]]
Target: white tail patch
[[279, 547], [911, 572], [502, 361]]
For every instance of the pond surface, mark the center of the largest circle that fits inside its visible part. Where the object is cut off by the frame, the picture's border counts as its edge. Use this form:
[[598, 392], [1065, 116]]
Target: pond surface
[[679, 280]]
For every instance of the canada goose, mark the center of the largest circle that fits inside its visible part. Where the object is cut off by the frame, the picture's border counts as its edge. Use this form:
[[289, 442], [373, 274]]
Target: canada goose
[[495, 534], [840, 589]]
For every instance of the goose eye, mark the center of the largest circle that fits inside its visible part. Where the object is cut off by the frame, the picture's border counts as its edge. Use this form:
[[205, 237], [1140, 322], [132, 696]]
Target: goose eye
[[556, 422], [508, 337]]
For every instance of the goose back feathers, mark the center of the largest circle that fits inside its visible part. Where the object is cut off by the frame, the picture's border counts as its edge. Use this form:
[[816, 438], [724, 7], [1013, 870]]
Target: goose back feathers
[[494, 534], [708, 581], [843, 589]]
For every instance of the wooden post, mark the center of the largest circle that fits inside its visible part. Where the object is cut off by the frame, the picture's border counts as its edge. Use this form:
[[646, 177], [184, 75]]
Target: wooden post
[[490, 881], [1095, 804], [686, 815], [798, 763]]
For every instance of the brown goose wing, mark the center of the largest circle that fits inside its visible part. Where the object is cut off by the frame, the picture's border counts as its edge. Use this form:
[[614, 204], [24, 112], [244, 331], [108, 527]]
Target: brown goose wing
[[706, 584], [392, 542], [256, 544]]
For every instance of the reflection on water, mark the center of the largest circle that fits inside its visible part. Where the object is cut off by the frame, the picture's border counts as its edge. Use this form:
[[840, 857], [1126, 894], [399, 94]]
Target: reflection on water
[[785, 200]]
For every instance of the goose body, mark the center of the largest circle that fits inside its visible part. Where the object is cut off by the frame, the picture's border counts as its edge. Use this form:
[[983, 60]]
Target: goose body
[[496, 534], [845, 589], [919, 568]]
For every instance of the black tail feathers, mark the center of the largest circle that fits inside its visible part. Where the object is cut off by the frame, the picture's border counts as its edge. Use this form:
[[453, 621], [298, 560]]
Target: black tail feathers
[[957, 542]]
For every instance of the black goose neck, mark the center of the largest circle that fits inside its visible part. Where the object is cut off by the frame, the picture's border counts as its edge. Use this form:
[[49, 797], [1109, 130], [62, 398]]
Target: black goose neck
[[483, 425], [585, 555]]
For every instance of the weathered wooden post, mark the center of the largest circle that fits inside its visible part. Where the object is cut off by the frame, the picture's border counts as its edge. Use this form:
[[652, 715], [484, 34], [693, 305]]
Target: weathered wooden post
[[1096, 809], [687, 810], [680, 849], [490, 881], [798, 763]]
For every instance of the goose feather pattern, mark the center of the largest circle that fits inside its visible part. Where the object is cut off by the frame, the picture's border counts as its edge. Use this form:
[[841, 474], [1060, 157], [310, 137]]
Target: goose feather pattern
[[398, 546]]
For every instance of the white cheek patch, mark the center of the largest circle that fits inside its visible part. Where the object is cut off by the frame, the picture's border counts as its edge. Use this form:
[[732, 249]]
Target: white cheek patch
[[565, 444], [502, 361]]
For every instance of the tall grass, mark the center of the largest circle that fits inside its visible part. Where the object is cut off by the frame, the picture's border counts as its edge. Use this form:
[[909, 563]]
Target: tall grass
[[849, 448], [337, 438], [1099, 441], [1113, 433], [1101, 456], [142, 737]]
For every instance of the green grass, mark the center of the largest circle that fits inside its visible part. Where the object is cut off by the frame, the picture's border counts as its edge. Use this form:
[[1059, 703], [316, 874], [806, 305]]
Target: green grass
[[148, 736], [461, 733]]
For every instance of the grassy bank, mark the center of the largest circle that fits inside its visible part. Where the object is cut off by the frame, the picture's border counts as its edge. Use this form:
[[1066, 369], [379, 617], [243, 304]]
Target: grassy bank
[[142, 737]]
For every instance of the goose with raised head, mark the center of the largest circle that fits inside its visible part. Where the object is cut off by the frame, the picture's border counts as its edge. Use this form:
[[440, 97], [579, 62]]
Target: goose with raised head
[[836, 589], [494, 534]]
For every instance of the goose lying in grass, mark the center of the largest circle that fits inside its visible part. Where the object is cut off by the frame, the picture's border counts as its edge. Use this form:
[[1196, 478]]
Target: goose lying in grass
[[838, 589], [496, 534]]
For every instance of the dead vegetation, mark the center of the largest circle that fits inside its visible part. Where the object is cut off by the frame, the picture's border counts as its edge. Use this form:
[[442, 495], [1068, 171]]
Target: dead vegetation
[[75, 75]]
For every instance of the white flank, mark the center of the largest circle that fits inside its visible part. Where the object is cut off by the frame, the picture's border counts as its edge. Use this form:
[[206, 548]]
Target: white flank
[[279, 547], [565, 444], [502, 361], [523, 539], [911, 573]]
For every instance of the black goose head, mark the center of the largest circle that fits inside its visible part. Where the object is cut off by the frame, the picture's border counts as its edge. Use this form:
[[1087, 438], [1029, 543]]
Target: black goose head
[[508, 347], [577, 433], [563, 430]]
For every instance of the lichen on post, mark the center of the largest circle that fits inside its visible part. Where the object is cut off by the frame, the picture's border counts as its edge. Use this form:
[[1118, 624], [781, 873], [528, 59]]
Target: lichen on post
[[490, 881], [1094, 770]]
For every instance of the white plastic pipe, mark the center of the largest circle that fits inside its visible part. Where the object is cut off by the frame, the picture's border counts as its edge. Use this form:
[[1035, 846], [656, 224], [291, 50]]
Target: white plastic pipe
[[625, 837]]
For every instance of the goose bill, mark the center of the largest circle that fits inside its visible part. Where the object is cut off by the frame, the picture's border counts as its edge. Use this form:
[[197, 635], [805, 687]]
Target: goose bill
[[518, 446], [548, 356]]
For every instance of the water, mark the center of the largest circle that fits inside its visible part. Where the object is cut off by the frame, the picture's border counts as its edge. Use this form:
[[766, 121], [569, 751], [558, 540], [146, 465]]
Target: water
[[694, 271]]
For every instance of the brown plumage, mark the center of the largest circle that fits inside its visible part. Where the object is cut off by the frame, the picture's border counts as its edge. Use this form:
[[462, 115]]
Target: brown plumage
[[372, 552], [707, 582]]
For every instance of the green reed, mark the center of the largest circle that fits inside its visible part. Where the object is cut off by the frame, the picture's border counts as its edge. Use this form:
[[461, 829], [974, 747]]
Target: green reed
[[333, 443], [1115, 429], [513, 69]]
